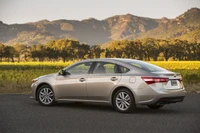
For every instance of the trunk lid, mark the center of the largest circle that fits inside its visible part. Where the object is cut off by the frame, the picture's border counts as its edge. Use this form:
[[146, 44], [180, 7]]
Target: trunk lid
[[174, 82]]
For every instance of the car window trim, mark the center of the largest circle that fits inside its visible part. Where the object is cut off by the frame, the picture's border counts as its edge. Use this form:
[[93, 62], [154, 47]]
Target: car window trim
[[92, 67]]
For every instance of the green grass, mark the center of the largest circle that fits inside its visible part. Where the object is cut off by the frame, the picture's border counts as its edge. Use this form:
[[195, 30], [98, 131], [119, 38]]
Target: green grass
[[17, 77]]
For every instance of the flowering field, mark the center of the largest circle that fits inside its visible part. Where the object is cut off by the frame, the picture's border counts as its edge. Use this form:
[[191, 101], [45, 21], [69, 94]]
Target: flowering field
[[178, 65], [16, 77], [170, 65]]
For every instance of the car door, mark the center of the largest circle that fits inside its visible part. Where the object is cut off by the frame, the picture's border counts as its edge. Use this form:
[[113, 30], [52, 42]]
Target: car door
[[102, 80], [73, 85]]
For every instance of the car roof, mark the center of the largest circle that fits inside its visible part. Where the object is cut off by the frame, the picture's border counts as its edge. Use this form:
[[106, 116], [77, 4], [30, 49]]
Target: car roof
[[120, 61], [111, 59]]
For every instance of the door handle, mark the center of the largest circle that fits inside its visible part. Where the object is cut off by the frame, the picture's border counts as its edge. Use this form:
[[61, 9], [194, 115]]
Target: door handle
[[82, 79], [113, 78]]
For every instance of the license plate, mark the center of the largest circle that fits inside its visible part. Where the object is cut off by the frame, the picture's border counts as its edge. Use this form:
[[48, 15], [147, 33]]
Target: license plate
[[174, 83]]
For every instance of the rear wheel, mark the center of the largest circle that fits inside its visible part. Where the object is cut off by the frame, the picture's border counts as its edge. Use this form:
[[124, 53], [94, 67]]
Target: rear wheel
[[45, 95], [123, 101], [155, 106]]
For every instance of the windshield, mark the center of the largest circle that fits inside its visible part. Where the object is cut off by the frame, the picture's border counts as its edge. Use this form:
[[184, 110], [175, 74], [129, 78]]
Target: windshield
[[146, 66]]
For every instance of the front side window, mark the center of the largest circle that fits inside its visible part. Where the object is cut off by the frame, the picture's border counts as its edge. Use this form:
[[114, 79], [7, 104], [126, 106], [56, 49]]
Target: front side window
[[82, 68], [105, 67]]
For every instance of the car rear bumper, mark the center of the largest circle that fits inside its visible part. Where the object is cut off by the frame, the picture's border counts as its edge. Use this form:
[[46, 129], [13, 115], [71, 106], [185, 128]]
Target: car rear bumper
[[168, 100], [164, 97]]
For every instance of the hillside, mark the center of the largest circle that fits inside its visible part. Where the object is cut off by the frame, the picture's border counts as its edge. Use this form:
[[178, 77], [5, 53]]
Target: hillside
[[182, 25], [93, 31]]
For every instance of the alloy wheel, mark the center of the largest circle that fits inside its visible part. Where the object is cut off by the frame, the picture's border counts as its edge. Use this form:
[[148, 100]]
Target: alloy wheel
[[46, 95], [123, 101]]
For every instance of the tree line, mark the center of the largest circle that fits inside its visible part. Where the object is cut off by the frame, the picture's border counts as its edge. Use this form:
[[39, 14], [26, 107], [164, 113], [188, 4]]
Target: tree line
[[66, 49]]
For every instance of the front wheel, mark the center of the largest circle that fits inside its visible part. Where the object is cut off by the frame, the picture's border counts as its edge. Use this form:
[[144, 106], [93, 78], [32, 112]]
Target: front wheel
[[45, 95], [123, 101], [155, 106]]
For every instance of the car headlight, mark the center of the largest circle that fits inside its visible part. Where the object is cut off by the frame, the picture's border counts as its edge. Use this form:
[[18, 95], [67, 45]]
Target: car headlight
[[35, 80]]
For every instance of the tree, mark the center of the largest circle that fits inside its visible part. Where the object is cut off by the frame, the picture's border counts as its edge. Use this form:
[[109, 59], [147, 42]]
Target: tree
[[151, 48], [83, 49], [139, 49], [51, 52], [9, 52], [2, 48], [66, 48], [21, 51], [95, 51], [38, 51], [131, 49], [117, 48], [167, 49], [107, 53], [178, 47]]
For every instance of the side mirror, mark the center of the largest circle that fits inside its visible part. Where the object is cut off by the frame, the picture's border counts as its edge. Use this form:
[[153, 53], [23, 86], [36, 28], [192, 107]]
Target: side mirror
[[63, 72]]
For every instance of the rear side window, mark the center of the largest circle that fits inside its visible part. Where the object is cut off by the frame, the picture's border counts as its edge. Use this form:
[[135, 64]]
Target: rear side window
[[123, 69], [146, 66], [105, 67]]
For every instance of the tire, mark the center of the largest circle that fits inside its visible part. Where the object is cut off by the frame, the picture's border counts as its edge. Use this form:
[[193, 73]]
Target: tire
[[155, 106], [45, 95], [123, 101]]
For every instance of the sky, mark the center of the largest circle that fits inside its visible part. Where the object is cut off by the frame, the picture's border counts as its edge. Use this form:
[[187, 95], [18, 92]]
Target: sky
[[23, 11]]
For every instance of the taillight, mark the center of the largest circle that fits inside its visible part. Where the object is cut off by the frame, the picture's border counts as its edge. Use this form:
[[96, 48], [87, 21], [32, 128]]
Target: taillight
[[151, 80], [180, 80]]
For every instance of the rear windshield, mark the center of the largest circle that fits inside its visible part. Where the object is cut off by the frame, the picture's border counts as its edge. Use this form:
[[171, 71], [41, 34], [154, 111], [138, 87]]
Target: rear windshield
[[146, 66]]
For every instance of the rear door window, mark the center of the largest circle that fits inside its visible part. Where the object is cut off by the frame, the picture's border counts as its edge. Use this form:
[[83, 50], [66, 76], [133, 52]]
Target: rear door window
[[105, 67], [123, 69]]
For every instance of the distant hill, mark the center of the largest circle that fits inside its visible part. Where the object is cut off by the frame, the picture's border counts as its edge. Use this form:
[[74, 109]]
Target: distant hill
[[93, 31], [182, 25]]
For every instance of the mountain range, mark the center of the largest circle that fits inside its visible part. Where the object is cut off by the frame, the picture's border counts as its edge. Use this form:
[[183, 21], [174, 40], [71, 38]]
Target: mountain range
[[92, 31]]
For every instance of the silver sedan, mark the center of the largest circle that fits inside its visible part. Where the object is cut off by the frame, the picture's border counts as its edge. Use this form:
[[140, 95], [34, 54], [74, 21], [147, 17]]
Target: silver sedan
[[123, 83]]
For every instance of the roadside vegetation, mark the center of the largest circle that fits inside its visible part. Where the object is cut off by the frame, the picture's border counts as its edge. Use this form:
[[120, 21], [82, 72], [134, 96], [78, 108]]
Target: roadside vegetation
[[19, 63], [17, 77]]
